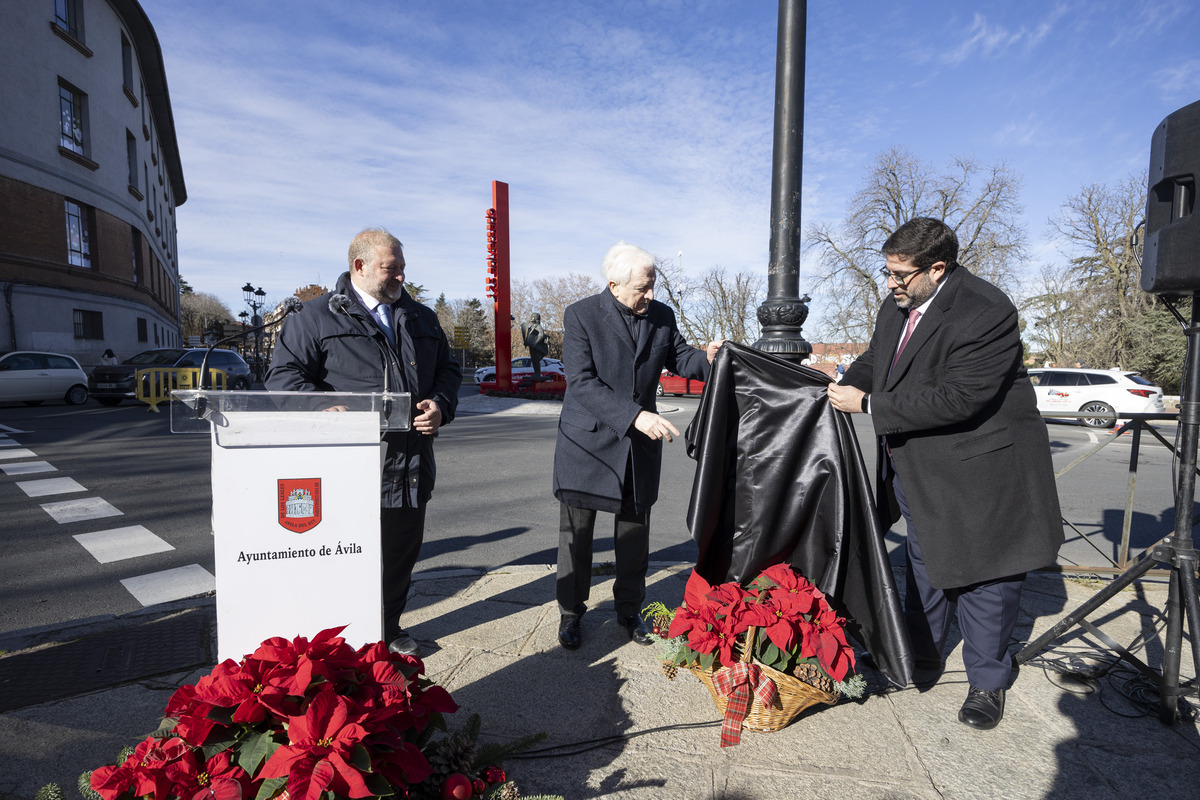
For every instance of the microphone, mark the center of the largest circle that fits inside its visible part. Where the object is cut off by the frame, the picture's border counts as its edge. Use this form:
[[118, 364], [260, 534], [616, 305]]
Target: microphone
[[290, 305], [340, 304]]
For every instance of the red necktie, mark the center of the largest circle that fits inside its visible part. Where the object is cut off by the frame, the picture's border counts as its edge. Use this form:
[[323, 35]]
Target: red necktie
[[912, 323]]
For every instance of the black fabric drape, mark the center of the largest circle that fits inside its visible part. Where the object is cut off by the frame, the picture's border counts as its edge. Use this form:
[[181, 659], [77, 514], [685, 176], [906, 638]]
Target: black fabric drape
[[780, 478]]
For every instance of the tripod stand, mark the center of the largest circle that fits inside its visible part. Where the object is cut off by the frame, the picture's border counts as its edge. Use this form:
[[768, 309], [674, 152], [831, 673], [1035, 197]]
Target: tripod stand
[[1176, 551]]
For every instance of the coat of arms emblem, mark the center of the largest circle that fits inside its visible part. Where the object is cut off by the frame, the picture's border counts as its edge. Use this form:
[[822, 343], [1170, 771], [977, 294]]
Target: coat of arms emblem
[[299, 503]]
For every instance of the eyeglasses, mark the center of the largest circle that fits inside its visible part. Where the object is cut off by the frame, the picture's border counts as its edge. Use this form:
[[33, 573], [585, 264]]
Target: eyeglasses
[[901, 280]]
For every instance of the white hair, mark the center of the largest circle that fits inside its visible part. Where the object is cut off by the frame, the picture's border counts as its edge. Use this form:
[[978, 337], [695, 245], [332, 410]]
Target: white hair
[[621, 260]]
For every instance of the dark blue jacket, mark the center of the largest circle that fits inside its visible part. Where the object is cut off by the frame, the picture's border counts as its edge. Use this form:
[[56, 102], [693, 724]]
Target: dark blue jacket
[[610, 380], [320, 350]]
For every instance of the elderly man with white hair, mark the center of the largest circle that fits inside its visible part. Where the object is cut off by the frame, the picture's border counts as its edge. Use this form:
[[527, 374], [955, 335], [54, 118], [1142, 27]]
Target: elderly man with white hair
[[610, 436]]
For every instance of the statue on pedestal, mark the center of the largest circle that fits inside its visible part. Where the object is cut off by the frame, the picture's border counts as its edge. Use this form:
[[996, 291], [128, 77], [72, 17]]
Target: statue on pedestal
[[534, 338]]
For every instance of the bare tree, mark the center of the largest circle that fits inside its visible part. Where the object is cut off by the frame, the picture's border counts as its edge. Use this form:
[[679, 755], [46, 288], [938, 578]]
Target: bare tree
[[979, 202], [1126, 327], [1095, 229], [1058, 325], [716, 305], [200, 311]]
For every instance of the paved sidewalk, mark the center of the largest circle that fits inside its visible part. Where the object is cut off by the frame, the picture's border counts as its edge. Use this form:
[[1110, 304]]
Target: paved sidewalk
[[490, 639]]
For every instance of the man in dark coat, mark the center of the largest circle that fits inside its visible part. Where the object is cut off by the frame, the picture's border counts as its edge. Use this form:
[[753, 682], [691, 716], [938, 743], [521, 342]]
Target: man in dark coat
[[609, 450], [369, 335], [963, 455]]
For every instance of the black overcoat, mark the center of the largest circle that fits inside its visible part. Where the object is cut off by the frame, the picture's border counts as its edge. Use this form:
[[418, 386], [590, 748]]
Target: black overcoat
[[962, 424], [320, 350], [610, 380]]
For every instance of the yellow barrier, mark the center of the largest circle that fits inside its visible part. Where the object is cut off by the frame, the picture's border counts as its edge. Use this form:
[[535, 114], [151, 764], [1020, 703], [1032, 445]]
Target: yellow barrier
[[153, 385]]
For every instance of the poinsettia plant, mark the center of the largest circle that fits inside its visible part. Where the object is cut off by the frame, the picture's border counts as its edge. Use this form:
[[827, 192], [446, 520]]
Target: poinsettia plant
[[795, 623], [296, 719]]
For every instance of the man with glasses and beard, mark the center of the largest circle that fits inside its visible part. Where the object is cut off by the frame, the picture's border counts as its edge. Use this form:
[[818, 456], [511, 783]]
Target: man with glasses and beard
[[963, 455]]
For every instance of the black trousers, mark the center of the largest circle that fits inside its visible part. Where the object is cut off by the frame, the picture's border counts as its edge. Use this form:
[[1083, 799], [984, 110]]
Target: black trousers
[[631, 536], [401, 531], [986, 613]]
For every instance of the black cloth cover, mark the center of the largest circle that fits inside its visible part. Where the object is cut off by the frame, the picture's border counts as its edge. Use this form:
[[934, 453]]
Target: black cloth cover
[[780, 478]]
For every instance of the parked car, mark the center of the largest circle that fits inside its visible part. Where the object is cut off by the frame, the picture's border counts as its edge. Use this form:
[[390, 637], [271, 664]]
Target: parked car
[[670, 383], [112, 384], [30, 377], [520, 366], [1103, 392]]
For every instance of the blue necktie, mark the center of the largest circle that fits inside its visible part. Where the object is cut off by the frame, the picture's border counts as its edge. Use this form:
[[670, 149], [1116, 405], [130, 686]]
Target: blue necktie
[[384, 315]]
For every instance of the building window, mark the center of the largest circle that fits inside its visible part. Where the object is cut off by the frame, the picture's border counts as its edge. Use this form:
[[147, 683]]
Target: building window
[[132, 159], [89, 324], [79, 234], [66, 16], [143, 332], [137, 258], [127, 63], [72, 107]]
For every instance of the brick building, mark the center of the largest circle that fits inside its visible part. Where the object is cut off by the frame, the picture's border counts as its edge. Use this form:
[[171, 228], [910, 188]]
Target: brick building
[[90, 178]]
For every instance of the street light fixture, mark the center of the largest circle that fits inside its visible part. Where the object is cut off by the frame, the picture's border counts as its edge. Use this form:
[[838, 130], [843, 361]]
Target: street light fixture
[[254, 299]]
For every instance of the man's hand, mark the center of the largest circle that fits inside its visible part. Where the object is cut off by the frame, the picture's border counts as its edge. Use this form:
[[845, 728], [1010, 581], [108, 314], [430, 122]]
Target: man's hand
[[429, 421], [846, 398], [711, 349], [654, 426]]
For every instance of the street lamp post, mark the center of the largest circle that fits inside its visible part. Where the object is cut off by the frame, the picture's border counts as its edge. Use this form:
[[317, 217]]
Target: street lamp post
[[254, 299], [784, 312]]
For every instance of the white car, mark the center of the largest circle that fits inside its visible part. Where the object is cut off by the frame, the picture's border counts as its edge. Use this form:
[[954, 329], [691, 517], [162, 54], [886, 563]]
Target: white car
[[1103, 392], [29, 377], [520, 367]]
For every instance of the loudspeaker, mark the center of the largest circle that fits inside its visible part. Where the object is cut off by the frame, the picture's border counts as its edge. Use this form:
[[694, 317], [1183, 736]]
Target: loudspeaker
[[1171, 256]]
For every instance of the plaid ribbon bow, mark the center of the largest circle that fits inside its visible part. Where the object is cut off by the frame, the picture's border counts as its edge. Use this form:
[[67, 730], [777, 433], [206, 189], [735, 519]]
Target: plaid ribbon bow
[[736, 683]]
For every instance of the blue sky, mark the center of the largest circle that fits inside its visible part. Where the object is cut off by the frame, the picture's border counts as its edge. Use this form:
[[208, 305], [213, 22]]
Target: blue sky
[[301, 122]]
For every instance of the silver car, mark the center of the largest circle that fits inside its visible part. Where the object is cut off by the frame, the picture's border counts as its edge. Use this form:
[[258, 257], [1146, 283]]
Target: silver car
[[30, 376]]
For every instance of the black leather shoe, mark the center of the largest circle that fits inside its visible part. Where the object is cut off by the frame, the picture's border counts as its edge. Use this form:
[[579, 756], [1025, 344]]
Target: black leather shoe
[[983, 709], [569, 635], [405, 645], [638, 631], [927, 672]]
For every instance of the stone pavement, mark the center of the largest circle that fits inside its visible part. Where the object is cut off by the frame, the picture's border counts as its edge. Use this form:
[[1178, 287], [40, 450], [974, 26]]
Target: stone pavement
[[618, 728]]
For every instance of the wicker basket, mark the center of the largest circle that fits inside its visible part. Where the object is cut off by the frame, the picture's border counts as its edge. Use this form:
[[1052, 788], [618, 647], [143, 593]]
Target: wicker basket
[[792, 695]]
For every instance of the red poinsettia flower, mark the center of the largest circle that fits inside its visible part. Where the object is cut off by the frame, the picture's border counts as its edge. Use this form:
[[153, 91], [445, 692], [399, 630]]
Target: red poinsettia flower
[[684, 620], [829, 645], [695, 593], [221, 779], [317, 757], [716, 634]]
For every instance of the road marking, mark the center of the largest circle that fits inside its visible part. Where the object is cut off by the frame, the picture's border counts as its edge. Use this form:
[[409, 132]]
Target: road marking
[[49, 486], [11, 430], [118, 544], [171, 584], [19, 452], [7, 442], [79, 510], [27, 468]]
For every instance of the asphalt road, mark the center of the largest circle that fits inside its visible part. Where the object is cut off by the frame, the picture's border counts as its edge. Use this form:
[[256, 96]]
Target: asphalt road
[[492, 506]]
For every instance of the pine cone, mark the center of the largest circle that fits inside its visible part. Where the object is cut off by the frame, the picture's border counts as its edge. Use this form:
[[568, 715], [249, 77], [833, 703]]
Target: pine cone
[[508, 791], [670, 670], [459, 753], [814, 677]]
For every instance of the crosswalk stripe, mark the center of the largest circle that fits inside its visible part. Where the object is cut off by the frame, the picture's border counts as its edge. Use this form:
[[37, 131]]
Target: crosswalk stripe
[[49, 486], [79, 510], [27, 468], [17, 452], [171, 584], [118, 544]]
